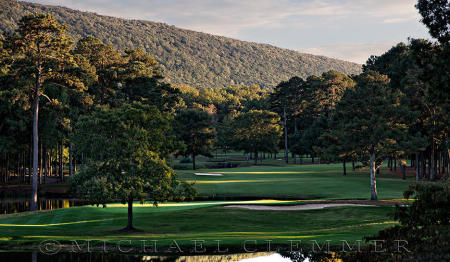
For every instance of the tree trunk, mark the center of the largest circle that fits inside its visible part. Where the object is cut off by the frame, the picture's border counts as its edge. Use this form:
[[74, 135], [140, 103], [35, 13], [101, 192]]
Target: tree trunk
[[417, 167], [130, 214], [70, 160], [61, 162], [395, 165], [345, 168], [30, 166], [193, 161], [256, 158], [423, 165], [286, 151], [41, 165], [353, 165], [23, 168], [7, 168], [50, 162], [45, 164], [432, 164], [373, 182], [312, 158], [403, 168], [35, 138]]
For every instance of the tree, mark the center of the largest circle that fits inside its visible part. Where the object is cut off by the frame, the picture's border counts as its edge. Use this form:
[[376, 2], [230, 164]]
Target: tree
[[195, 128], [286, 100], [125, 149], [371, 120], [141, 81], [107, 62], [42, 57], [256, 131], [434, 74], [436, 16], [224, 136]]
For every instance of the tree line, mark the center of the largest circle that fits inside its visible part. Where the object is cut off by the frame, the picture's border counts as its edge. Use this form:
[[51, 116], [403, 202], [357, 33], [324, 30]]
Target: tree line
[[109, 116]]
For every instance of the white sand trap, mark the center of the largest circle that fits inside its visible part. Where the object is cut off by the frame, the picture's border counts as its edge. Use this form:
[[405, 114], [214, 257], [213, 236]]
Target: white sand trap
[[207, 174], [297, 207]]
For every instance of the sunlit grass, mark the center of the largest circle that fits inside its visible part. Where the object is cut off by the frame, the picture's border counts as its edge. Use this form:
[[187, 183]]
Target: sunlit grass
[[323, 181], [187, 221]]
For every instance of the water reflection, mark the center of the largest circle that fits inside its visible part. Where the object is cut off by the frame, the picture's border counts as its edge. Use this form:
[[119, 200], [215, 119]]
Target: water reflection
[[16, 205], [110, 257]]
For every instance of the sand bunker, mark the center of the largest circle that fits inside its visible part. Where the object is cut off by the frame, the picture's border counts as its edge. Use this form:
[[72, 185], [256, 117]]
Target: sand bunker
[[207, 174], [297, 207]]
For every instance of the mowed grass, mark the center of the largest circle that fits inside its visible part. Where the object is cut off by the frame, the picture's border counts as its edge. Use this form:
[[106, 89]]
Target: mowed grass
[[196, 221], [211, 221], [323, 181]]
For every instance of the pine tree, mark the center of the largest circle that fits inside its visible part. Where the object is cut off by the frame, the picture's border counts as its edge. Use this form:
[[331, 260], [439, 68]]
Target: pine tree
[[195, 128], [371, 120], [42, 58]]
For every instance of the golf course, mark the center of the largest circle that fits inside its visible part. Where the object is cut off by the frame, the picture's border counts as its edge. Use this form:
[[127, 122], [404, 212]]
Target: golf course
[[213, 220], [124, 139]]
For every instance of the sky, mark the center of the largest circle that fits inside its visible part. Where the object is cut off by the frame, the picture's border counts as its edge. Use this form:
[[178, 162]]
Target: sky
[[351, 30]]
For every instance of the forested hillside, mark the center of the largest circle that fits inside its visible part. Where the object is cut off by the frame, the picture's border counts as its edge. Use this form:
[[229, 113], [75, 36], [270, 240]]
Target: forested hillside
[[187, 57]]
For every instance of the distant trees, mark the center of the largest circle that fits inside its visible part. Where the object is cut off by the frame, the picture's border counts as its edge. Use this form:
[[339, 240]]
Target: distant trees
[[188, 58], [286, 101], [195, 128], [306, 106], [256, 131]]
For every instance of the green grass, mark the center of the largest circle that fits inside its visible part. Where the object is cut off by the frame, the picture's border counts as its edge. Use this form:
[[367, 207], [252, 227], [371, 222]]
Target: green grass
[[211, 221], [203, 221], [294, 181]]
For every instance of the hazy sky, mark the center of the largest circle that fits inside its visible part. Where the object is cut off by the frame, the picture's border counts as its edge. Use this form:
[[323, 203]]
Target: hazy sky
[[347, 29]]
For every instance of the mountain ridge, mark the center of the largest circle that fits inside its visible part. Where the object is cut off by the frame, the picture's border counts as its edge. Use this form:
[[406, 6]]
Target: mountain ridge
[[186, 56]]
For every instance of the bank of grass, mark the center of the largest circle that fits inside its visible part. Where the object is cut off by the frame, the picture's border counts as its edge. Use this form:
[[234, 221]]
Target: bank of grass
[[198, 221], [323, 181]]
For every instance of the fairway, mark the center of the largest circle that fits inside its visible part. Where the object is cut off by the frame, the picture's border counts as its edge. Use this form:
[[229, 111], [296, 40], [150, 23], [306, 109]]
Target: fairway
[[204, 221], [213, 220], [323, 181]]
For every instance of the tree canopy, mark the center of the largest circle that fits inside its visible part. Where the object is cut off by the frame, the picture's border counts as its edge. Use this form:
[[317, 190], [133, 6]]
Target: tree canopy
[[256, 131], [125, 149]]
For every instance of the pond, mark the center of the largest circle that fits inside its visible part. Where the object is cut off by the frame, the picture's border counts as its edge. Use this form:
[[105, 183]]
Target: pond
[[16, 205], [111, 257]]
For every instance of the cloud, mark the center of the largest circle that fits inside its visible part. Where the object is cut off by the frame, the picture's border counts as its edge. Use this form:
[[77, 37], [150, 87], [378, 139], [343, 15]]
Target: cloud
[[231, 16]]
